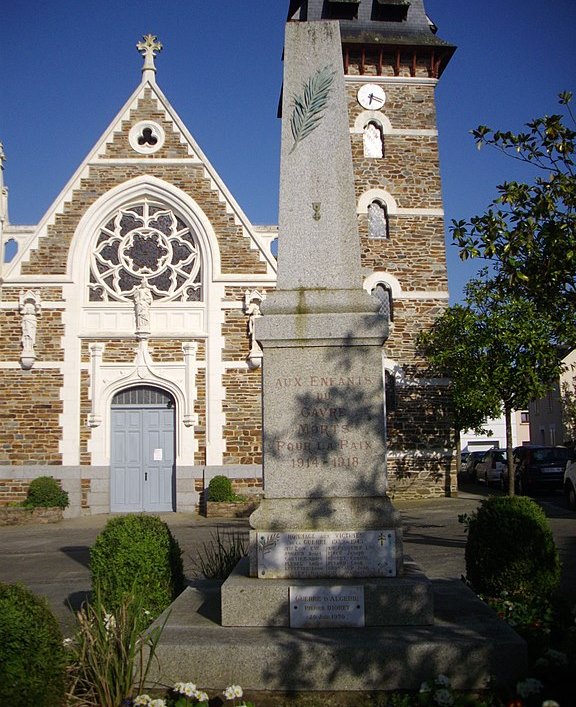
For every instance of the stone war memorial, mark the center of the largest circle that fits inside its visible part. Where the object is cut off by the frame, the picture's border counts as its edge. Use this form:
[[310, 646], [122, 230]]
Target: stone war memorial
[[326, 600]]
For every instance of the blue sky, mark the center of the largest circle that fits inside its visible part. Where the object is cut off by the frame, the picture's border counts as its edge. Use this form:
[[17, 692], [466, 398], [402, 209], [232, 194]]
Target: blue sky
[[68, 66]]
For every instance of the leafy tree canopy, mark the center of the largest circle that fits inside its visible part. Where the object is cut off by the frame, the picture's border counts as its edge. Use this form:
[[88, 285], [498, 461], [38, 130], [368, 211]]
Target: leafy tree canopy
[[528, 233]]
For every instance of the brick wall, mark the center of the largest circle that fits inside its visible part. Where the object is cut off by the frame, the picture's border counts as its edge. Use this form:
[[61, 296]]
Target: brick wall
[[243, 409]]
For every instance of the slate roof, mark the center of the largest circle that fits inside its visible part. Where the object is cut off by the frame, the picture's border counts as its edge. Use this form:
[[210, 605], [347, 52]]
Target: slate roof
[[416, 29]]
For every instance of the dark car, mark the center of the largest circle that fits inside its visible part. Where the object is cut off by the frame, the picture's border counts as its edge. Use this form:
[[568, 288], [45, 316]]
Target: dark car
[[469, 471], [538, 468]]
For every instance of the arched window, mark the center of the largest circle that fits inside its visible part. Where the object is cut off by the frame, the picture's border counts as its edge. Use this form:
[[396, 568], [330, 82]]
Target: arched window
[[383, 292], [143, 395], [146, 244], [373, 140], [377, 220], [10, 250]]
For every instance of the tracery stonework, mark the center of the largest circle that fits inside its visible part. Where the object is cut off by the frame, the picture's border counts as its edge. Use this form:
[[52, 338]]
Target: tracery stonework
[[146, 244]]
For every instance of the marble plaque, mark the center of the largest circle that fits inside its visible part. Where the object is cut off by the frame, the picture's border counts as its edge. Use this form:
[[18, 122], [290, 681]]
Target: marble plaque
[[364, 553], [326, 607]]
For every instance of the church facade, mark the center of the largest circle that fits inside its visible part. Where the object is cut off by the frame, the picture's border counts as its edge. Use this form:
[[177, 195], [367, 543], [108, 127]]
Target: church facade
[[128, 366]]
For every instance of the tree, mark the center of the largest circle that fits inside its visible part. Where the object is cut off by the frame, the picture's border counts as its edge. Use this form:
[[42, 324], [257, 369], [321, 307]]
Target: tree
[[451, 348], [499, 352], [528, 233]]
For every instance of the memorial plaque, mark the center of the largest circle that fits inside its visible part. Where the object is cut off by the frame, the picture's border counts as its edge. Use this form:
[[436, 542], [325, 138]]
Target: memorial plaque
[[366, 553], [326, 607]]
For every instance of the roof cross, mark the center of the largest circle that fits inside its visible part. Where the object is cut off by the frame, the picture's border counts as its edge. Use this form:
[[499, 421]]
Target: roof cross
[[149, 47]]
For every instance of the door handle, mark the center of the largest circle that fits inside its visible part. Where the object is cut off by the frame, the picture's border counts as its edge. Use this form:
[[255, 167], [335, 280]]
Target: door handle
[[145, 476]]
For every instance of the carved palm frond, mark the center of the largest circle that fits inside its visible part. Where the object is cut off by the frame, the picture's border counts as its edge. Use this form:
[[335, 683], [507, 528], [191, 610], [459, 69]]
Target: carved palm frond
[[309, 107]]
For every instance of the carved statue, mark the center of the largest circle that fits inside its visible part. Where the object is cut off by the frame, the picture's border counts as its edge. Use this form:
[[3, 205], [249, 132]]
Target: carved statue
[[30, 311], [142, 304], [252, 302]]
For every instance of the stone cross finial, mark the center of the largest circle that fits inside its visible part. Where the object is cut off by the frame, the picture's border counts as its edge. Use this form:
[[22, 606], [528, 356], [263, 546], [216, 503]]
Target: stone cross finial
[[2, 156], [149, 47]]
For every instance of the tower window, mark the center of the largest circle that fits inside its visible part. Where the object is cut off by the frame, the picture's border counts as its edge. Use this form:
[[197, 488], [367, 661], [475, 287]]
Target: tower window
[[390, 10], [373, 140], [341, 9], [377, 220]]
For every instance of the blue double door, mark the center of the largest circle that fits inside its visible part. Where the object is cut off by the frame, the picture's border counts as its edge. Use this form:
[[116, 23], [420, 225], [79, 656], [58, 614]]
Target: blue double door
[[142, 470]]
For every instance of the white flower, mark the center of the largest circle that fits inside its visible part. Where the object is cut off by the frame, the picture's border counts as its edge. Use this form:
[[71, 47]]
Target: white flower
[[67, 642], [158, 703], [443, 697], [185, 688], [142, 701], [232, 692], [424, 687], [529, 687], [556, 656], [442, 681], [109, 622], [550, 703], [201, 696]]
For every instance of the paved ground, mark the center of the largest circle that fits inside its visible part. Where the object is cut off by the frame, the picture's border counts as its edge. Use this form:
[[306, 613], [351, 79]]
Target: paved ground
[[53, 559]]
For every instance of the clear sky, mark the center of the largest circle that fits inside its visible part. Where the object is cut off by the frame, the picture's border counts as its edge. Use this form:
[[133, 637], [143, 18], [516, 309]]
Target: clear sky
[[68, 66]]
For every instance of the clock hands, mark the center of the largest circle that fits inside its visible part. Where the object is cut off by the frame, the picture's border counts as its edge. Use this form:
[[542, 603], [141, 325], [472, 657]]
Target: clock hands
[[372, 97]]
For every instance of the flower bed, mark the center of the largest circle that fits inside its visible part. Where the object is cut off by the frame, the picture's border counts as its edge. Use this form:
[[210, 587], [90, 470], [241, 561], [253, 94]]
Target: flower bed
[[235, 509], [24, 516]]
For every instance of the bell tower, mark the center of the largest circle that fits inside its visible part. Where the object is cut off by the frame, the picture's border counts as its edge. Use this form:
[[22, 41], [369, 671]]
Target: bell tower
[[392, 61]]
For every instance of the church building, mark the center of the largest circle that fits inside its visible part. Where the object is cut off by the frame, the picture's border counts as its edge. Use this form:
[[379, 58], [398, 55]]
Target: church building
[[128, 366]]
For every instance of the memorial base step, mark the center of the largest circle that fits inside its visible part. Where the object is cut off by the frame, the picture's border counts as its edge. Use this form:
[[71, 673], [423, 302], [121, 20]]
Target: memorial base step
[[467, 642], [394, 601]]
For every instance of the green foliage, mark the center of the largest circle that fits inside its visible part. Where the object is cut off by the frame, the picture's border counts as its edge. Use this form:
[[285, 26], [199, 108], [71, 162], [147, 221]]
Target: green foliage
[[528, 233], [32, 659], [111, 658], [451, 348], [510, 549], [137, 555], [218, 557], [220, 490], [45, 492]]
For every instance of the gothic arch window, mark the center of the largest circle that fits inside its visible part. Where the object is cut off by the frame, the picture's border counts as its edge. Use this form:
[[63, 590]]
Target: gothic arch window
[[378, 220], [146, 243], [373, 140], [383, 292]]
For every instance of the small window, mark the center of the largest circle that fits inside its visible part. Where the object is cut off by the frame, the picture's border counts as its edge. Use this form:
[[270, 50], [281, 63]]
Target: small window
[[378, 220], [383, 292], [143, 395], [390, 10], [390, 391], [341, 9], [524, 417], [373, 140]]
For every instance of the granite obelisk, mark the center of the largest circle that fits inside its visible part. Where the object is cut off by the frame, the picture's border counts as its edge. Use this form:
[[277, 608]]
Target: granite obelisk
[[322, 336]]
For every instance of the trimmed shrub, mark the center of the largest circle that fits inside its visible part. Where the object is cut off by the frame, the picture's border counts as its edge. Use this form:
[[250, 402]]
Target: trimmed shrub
[[220, 490], [45, 492], [32, 658], [510, 549], [137, 555]]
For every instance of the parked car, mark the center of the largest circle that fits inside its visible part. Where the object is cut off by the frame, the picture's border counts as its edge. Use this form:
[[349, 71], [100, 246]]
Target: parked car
[[491, 467], [538, 468], [570, 484], [473, 458]]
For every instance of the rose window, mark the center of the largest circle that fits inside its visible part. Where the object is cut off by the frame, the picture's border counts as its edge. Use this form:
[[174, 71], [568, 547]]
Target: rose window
[[146, 244]]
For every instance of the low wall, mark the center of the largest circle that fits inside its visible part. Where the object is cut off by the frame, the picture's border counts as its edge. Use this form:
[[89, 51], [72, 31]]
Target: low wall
[[24, 516]]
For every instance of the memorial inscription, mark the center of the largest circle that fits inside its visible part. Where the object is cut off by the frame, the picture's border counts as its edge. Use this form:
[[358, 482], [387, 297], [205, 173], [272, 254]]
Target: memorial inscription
[[367, 553], [323, 433], [326, 607]]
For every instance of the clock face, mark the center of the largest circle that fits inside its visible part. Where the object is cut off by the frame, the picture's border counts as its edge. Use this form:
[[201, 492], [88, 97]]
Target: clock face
[[371, 96]]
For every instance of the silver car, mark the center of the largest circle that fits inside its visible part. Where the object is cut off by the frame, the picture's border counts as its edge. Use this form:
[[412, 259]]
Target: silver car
[[490, 468]]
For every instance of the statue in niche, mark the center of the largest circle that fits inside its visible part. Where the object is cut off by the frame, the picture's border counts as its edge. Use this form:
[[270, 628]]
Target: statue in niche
[[373, 141], [252, 302], [142, 304], [377, 220], [30, 311]]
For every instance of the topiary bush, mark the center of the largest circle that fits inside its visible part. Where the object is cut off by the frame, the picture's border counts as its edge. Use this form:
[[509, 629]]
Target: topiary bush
[[32, 658], [45, 492], [510, 549], [137, 555], [220, 490]]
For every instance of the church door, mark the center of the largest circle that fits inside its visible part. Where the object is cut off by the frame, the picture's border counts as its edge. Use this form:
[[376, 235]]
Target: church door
[[142, 473]]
